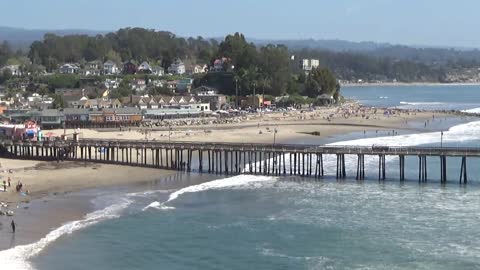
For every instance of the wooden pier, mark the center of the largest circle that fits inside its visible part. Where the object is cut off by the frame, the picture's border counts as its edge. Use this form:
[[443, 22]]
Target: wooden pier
[[237, 158]]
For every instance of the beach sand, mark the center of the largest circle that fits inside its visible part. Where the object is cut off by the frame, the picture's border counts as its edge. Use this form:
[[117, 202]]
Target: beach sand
[[49, 204], [293, 125]]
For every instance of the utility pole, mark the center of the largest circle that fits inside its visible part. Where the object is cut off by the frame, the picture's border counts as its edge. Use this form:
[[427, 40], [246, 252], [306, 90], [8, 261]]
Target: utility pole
[[254, 96], [441, 139], [236, 93]]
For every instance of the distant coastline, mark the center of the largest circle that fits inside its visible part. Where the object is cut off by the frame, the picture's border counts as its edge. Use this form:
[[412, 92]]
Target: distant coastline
[[391, 84]]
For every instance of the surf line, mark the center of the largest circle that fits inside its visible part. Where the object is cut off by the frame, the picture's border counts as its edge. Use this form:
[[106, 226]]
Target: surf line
[[236, 181]]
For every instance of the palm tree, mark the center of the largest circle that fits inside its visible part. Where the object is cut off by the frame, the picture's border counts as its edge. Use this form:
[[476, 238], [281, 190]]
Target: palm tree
[[264, 82]]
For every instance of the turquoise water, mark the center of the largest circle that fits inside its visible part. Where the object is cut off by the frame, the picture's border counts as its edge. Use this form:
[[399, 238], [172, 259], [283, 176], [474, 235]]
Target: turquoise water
[[247, 222]]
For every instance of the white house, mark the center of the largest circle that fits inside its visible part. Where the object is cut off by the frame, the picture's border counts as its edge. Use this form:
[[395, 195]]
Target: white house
[[144, 68], [309, 64], [14, 70], [110, 68], [158, 70], [69, 68], [177, 67]]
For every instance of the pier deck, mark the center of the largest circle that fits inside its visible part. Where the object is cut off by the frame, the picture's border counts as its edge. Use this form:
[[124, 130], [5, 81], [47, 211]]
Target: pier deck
[[237, 158]]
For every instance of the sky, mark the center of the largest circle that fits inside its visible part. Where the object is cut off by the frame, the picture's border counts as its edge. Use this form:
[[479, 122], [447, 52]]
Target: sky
[[411, 22]]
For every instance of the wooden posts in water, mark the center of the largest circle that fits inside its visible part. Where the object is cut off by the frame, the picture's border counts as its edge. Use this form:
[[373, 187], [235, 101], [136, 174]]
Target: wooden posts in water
[[463, 171], [422, 169], [341, 171], [443, 169], [360, 167], [381, 167], [402, 167], [232, 159]]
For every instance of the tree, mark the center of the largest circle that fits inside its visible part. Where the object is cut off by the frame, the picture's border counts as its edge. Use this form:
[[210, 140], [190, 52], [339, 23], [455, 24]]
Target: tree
[[321, 81], [5, 75], [58, 101]]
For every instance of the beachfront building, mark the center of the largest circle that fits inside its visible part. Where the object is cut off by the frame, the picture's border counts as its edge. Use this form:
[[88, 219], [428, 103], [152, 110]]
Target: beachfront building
[[50, 118], [127, 116], [205, 94]]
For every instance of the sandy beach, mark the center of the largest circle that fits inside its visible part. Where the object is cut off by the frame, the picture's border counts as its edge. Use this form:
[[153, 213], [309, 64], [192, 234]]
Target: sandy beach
[[289, 125], [52, 182]]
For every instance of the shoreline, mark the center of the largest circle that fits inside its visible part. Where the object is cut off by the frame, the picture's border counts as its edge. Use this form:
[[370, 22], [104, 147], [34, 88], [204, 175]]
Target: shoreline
[[54, 187], [391, 84]]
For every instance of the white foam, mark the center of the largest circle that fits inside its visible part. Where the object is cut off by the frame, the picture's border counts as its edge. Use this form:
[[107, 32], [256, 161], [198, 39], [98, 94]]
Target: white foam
[[420, 103], [17, 258], [475, 110], [159, 206], [236, 181]]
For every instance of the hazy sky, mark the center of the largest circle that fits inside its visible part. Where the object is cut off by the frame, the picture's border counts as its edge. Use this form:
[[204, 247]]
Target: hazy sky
[[417, 22]]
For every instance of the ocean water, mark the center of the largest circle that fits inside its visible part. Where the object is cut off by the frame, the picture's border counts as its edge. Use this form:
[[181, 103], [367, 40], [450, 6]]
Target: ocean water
[[435, 97], [252, 222]]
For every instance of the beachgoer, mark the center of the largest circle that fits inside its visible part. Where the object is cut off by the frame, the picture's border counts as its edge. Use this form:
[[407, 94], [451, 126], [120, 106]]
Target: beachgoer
[[13, 226], [4, 186], [9, 184]]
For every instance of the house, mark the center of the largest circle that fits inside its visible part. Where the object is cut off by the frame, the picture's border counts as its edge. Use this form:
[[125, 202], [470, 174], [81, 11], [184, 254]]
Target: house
[[14, 70], [139, 85], [112, 83], [90, 72], [184, 86], [172, 85], [177, 68], [75, 116], [69, 68], [221, 64], [129, 68], [128, 115], [196, 69], [100, 103], [110, 68], [325, 99], [210, 95], [158, 70], [203, 107], [144, 68], [251, 101], [50, 118], [93, 65], [308, 64]]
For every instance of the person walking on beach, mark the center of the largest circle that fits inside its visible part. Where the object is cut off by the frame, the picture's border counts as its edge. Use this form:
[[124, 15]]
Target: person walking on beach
[[13, 226], [9, 182], [4, 186]]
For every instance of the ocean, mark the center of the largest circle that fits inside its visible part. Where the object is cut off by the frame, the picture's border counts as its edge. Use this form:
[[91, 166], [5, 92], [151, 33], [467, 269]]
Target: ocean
[[255, 222]]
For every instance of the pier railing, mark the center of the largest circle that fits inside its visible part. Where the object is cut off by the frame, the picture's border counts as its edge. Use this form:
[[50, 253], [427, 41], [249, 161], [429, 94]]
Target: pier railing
[[236, 158]]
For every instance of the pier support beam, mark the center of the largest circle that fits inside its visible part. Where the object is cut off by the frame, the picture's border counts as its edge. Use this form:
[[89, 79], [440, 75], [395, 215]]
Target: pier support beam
[[463, 171]]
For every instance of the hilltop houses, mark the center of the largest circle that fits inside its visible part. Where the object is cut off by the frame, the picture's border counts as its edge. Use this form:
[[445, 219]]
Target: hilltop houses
[[308, 64], [177, 68], [129, 67], [144, 68], [110, 68], [69, 68]]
